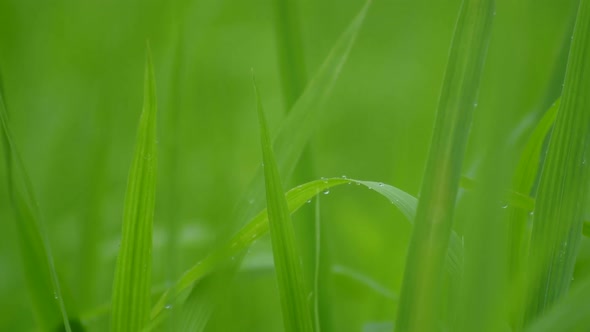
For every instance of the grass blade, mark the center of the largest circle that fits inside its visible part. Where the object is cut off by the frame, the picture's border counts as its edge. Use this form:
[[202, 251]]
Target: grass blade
[[303, 117], [296, 198], [291, 139], [132, 285], [292, 289], [40, 274], [525, 180], [528, 166], [316, 268], [422, 279], [570, 314], [564, 184], [289, 42]]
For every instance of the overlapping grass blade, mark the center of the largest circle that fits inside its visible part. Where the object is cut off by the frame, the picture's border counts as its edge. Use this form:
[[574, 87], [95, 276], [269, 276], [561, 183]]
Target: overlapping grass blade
[[526, 175], [531, 158], [197, 308], [40, 273], [291, 139], [564, 184], [569, 314], [296, 198], [292, 289], [303, 117], [420, 296], [132, 284], [525, 180]]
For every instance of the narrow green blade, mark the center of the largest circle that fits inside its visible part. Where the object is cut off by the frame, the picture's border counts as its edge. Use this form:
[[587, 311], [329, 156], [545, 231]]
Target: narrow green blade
[[421, 289], [40, 274], [564, 184], [525, 181], [292, 289], [132, 284], [290, 50]]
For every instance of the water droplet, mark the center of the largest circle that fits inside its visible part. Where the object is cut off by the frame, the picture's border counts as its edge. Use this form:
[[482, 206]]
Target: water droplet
[[474, 104], [504, 206], [344, 177], [168, 306], [55, 296], [308, 201], [325, 192], [532, 213], [381, 184]]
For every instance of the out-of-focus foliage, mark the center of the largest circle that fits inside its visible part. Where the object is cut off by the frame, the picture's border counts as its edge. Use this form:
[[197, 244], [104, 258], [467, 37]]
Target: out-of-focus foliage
[[72, 74]]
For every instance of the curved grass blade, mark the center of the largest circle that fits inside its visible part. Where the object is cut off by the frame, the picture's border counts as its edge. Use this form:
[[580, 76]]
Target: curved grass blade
[[40, 274], [203, 298], [258, 226], [132, 284], [420, 295], [531, 158], [292, 289], [364, 280], [565, 182]]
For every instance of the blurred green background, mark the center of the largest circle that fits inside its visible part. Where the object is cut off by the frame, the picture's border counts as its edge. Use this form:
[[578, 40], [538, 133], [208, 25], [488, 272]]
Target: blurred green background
[[72, 74]]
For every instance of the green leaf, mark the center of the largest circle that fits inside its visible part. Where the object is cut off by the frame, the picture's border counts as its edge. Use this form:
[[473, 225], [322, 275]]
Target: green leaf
[[290, 50], [289, 142], [364, 280], [530, 160], [420, 295], [564, 184], [569, 314], [525, 180], [258, 226], [132, 284], [37, 259], [304, 116], [292, 289]]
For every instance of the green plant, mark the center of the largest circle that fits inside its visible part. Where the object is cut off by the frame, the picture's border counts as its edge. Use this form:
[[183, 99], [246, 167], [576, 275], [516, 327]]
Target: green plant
[[494, 238]]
